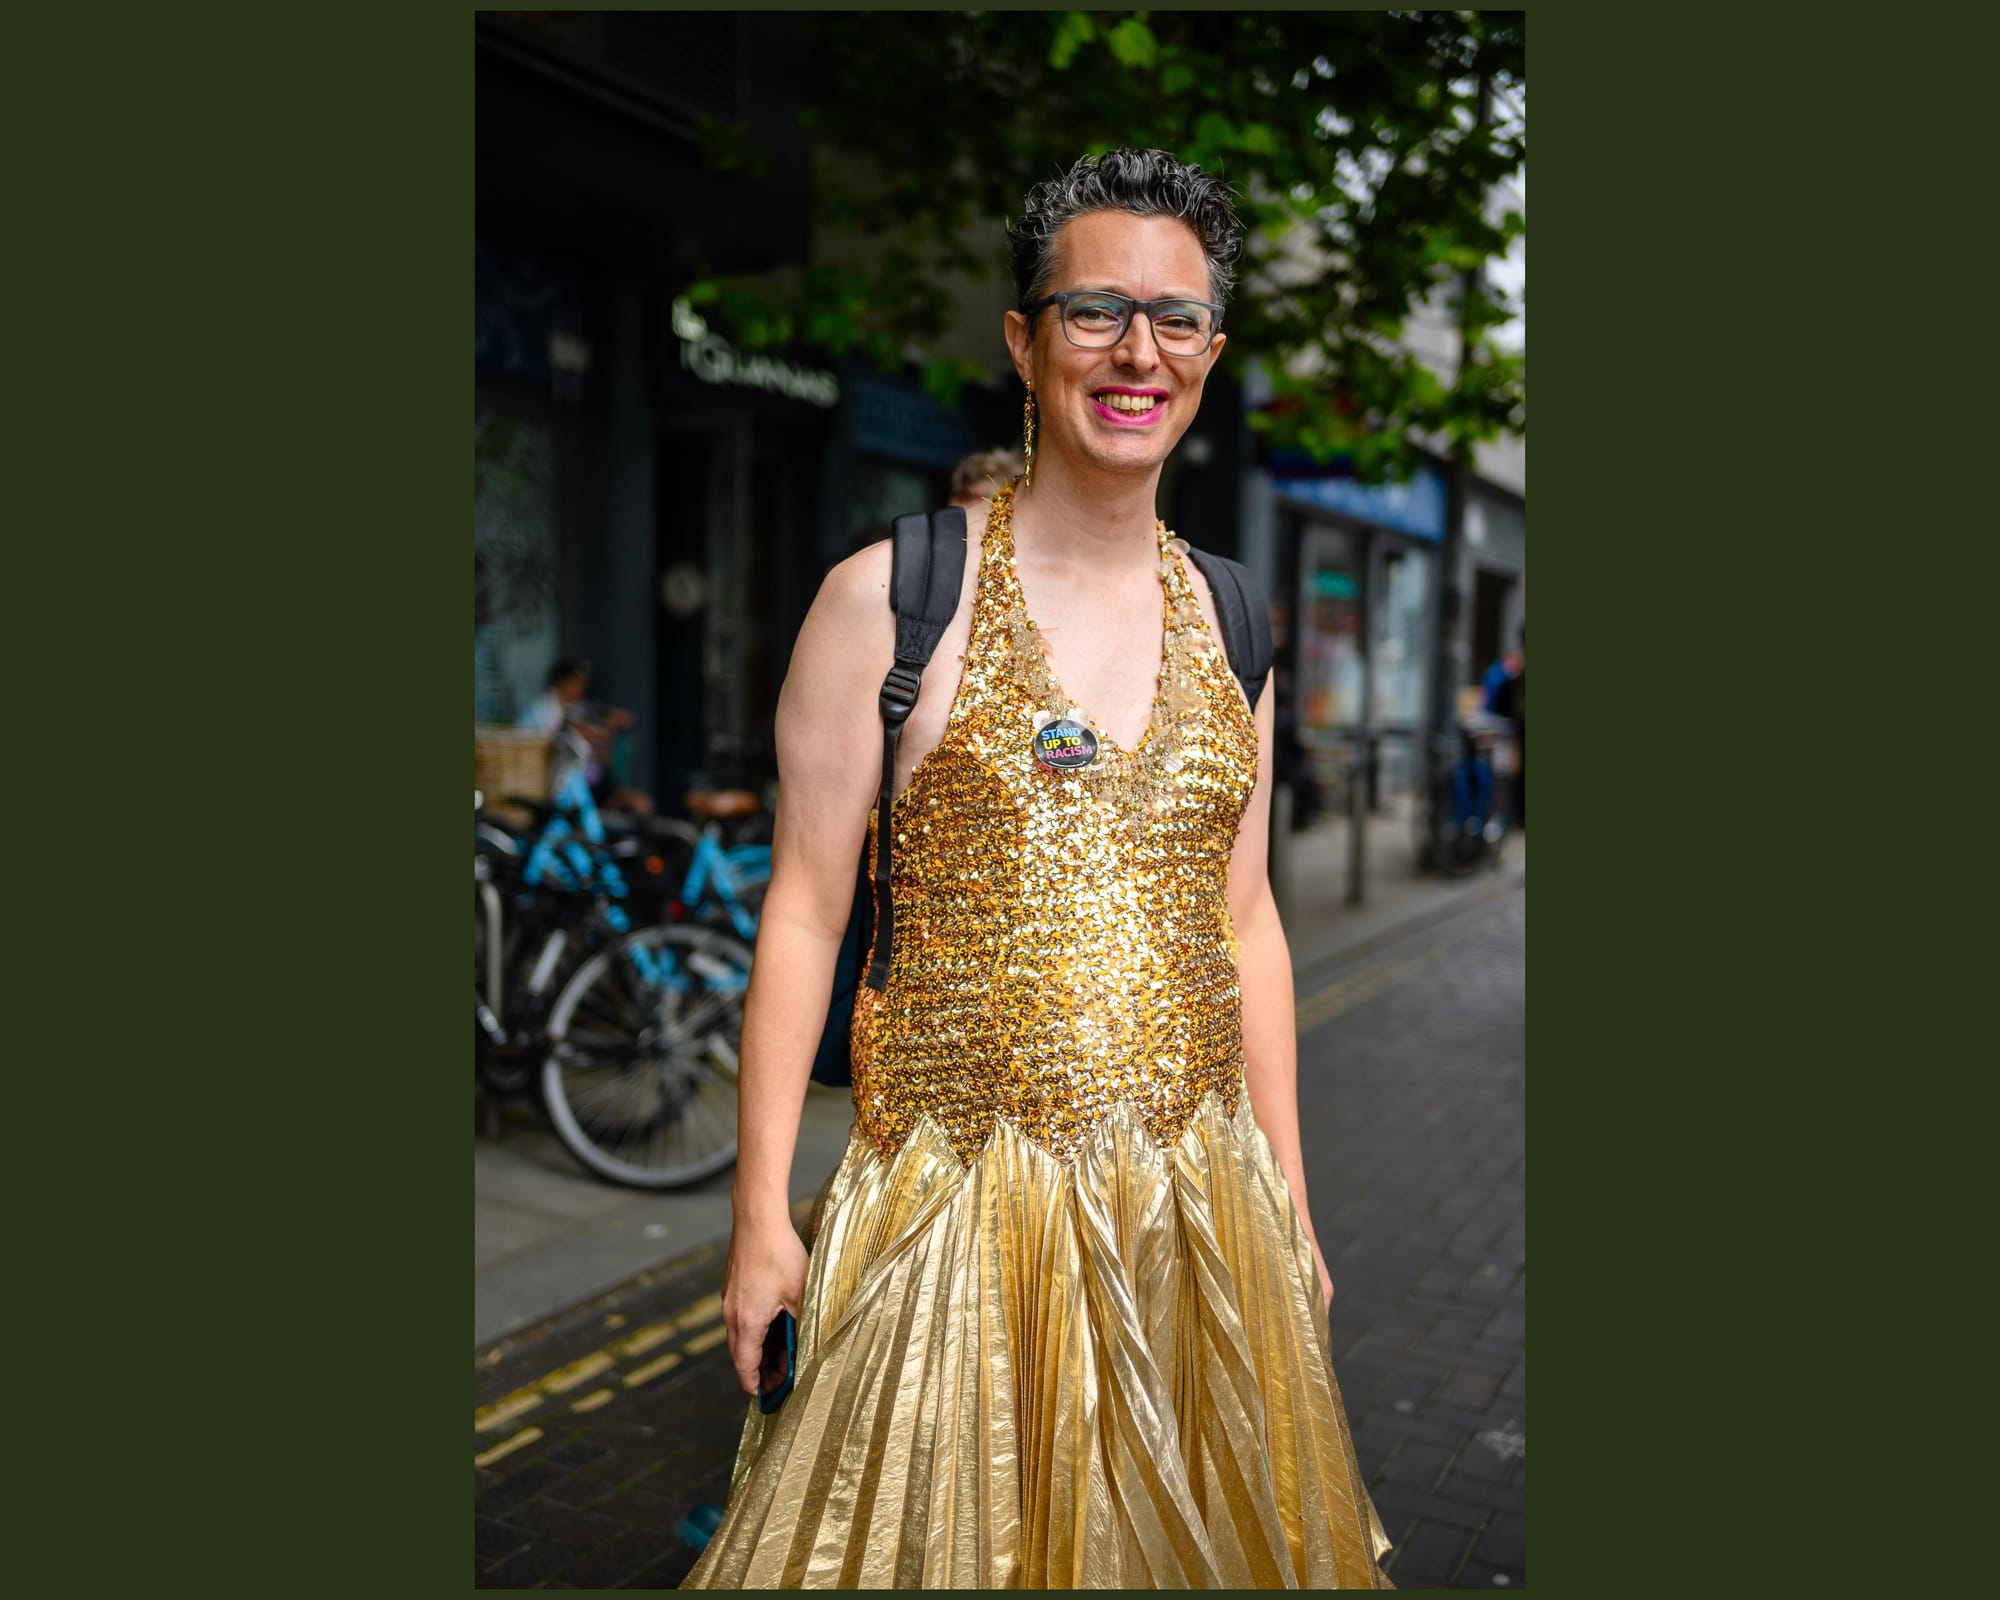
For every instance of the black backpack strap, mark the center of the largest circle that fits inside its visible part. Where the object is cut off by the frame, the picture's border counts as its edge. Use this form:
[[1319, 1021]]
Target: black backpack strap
[[926, 571], [1245, 616]]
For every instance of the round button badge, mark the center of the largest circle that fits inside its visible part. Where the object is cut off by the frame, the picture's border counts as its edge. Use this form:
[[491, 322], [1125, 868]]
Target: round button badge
[[1065, 743]]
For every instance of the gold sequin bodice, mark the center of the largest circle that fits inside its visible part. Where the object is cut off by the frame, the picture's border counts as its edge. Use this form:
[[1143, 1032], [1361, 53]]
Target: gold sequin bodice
[[1063, 940]]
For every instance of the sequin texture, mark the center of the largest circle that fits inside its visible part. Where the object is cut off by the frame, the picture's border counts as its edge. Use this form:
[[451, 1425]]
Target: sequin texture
[[1063, 941]]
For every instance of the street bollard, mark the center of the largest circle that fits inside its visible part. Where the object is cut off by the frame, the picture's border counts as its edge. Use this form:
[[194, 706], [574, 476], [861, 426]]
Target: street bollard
[[1357, 824]]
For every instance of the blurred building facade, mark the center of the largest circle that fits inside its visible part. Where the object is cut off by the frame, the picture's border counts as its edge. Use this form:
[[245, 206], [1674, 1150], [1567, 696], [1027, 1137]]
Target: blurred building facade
[[656, 499]]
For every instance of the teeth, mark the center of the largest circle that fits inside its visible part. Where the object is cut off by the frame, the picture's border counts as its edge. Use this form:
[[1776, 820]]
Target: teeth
[[1129, 402]]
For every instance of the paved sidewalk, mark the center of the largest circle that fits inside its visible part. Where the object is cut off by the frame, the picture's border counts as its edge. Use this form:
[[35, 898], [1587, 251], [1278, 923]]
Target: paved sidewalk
[[596, 1438], [548, 1236]]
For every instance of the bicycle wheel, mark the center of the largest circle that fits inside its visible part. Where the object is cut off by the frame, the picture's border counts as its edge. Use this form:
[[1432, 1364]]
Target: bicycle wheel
[[501, 1065], [640, 1079]]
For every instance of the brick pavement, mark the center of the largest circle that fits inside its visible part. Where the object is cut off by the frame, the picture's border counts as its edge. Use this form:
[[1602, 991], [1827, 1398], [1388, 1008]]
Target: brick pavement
[[1415, 1131], [599, 1432]]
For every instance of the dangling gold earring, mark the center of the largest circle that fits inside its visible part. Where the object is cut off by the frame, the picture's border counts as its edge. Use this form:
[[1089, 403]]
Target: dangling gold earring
[[1028, 438]]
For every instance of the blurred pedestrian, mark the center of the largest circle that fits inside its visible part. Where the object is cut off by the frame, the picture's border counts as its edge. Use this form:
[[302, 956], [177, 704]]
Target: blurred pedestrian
[[1063, 1322], [1507, 696], [976, 479], [561, 706]]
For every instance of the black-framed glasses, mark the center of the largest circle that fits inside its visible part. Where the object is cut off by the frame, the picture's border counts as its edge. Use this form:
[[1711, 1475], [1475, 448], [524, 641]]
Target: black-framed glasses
[[1096, 319]]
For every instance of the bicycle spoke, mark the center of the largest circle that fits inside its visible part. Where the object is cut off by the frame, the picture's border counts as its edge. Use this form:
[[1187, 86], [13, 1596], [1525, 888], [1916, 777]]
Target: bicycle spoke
[[703, 1016], [668, 1116], [611, 1002]]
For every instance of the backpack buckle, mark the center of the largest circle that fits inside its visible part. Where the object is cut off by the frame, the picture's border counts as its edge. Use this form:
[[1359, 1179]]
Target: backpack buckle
[[899, 691]]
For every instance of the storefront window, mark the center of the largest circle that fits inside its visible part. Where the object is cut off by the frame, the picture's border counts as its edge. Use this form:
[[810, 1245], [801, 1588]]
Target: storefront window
[[514, 557], [1331, 669], [1401, 626], [1399, 642]]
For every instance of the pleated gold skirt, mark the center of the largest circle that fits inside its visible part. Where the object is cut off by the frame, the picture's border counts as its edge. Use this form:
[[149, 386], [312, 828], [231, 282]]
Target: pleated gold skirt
[[1021, 1373]]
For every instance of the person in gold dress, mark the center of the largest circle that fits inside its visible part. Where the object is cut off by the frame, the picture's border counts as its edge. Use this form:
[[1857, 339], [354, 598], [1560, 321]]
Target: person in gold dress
[[1063, 1323]]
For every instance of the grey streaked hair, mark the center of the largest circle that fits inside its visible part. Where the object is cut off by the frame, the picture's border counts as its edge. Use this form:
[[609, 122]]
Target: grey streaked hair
[[1145, 183]]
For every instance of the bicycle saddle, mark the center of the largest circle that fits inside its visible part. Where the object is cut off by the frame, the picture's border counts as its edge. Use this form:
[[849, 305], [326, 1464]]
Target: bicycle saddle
[[719, 804]]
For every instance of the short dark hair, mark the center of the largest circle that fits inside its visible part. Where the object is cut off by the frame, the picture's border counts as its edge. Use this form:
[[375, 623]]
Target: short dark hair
[[1144, 183], [567, 667]]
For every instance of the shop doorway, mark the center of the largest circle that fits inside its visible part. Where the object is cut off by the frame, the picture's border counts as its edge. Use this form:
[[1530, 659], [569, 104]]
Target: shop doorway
[[1492, 606], [736, 568]]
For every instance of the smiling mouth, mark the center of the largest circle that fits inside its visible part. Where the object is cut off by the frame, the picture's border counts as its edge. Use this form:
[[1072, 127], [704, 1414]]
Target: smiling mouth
[[1129, 407]]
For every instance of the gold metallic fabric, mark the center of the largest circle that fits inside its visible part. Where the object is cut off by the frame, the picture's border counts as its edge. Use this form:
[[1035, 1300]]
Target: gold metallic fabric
[[1062, 937], [1061, 1326], [1106, 1372]]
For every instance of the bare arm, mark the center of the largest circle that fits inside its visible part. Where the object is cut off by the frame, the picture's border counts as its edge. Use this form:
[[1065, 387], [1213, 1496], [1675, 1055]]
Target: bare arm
[[1264, 970], [829, 743]]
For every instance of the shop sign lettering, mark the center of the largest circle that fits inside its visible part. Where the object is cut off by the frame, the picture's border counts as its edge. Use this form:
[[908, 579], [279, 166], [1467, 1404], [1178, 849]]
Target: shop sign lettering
[[713, 359]]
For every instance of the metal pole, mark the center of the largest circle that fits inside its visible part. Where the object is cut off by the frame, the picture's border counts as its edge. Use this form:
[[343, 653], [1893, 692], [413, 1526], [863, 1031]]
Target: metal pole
[[1447, 669], [1357, 822], [1357, 769]]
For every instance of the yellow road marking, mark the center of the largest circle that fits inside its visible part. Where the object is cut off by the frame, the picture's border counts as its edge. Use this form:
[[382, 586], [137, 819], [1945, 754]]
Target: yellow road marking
[[577, 1372], [637, 1344], [507, 1447], [1350, 991], [591, 1401], [652, 1369], [706, 1341], [520, 1402]]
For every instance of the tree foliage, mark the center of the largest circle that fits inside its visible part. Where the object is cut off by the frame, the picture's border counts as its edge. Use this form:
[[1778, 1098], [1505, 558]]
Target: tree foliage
[[1355, 141]]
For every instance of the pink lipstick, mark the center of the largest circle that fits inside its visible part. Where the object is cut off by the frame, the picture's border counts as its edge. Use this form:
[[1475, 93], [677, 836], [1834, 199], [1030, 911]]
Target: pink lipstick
[[1131, 419]]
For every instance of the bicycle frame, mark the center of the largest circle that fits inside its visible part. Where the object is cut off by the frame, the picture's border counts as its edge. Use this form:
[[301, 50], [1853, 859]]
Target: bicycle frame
[[713, 860], [584, 866]]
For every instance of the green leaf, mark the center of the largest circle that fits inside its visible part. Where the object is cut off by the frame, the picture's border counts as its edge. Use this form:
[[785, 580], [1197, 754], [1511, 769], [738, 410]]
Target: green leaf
[[1178, 77], [1258, 138], [1132, 43], [1073, 32], [945, 378]]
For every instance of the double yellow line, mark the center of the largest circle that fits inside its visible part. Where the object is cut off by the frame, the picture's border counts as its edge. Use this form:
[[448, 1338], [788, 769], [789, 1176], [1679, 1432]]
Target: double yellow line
[[698, 1326], [1328, 1003]]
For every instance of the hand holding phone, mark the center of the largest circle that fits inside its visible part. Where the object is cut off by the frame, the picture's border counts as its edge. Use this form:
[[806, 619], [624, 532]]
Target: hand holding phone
[[781, 1354]]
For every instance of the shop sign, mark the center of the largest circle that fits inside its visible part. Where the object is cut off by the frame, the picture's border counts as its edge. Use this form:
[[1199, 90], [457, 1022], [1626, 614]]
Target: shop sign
[[903, 423], [1416, 507], [713, 359]]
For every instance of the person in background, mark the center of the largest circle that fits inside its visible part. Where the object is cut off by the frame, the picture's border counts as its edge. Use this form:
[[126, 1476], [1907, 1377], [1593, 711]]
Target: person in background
[[561, 705], [1507, 696], [976, 479]]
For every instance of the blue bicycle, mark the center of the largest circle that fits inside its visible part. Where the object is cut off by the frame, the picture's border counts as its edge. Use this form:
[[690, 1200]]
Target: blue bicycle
[[636, 1047], [722, 883]]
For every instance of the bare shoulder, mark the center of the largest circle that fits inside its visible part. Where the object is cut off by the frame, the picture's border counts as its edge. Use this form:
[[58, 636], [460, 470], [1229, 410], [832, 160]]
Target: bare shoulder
[[857, 585], [853, 600]]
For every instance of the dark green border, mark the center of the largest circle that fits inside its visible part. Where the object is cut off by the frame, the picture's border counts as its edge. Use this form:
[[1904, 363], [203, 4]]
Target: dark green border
[[258, 245]]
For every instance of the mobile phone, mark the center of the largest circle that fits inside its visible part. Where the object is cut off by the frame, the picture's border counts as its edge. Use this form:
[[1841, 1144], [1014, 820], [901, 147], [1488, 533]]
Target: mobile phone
[[781, 1354]]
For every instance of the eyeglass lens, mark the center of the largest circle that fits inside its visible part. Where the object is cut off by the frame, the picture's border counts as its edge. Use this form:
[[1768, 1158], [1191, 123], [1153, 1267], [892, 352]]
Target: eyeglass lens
[[1098, 321]]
